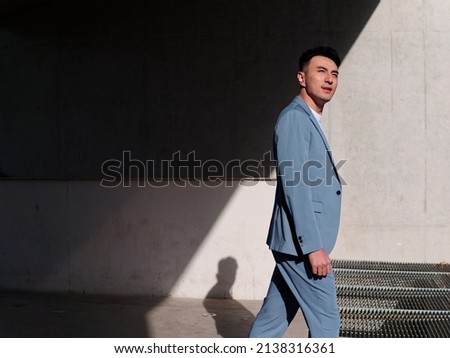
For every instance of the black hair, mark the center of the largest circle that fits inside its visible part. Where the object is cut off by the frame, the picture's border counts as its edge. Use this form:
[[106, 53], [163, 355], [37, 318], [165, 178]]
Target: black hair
[[328, 52]]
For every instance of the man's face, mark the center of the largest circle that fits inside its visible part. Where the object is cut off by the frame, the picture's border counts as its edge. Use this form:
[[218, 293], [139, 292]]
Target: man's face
[[320, 80]]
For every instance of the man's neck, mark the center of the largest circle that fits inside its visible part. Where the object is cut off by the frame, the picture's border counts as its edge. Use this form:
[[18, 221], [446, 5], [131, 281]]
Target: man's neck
[[318, 108]]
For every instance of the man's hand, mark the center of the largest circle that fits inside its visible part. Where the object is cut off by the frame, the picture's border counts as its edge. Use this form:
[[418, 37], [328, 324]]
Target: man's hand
[[320, 262]]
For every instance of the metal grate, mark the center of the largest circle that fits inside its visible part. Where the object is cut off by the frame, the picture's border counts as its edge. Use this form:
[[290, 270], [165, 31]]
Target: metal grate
[[367, 323], [393, 300], [392, 278], [391, 266]]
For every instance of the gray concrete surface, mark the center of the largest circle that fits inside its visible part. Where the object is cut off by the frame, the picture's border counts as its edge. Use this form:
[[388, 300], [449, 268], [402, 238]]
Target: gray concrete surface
[[82, 82], [38, 315]]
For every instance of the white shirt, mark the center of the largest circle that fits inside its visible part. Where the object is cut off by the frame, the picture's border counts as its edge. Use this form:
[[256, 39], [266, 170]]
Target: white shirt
[[317, 116]]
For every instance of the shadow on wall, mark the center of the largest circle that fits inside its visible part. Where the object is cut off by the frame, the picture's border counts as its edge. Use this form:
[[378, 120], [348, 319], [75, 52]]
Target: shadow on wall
[[84, 81], [235, 320]]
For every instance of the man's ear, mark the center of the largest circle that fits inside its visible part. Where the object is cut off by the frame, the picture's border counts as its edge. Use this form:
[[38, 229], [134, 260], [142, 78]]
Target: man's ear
[[301, 78]]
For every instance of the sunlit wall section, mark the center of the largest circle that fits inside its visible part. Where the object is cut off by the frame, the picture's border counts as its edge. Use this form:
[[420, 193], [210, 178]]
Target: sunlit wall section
[[389, 121]]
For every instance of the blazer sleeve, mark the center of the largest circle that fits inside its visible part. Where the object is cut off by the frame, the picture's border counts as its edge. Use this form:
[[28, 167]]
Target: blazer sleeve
[[291, 141]]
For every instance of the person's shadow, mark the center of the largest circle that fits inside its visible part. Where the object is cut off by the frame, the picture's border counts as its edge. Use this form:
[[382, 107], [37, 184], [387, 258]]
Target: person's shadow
[[232, 319]]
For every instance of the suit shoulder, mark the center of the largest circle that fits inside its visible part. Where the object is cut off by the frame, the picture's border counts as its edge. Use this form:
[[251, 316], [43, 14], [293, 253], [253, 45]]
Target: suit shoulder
[[292, 115]]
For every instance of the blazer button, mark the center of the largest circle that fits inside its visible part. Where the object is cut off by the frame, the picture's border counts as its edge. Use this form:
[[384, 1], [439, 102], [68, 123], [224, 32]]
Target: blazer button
[[338, 192]]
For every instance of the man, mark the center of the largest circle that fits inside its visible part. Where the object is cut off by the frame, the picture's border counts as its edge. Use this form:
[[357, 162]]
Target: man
[[306, 213]]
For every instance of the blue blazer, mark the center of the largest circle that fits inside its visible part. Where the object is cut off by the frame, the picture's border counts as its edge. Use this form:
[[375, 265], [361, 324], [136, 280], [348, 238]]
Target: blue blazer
[[307, 205]]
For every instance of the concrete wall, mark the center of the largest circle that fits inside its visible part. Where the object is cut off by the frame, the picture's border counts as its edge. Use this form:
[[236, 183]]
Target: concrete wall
[[184, 240], [81, 84], [390, 121]]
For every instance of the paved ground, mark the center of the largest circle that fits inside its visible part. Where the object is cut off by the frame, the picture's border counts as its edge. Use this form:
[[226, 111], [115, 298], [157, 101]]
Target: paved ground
[[86, 316]]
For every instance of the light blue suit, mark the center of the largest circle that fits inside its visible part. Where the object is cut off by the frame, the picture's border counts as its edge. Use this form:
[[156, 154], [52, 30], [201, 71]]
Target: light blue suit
[[305, 218]]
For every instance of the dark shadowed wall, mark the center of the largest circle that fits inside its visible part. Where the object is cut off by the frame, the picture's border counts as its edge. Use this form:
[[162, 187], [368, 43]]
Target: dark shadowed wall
[[83, 82]]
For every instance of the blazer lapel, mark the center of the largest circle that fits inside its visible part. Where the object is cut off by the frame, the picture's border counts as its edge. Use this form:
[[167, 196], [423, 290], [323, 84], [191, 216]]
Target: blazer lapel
[[316, 124]]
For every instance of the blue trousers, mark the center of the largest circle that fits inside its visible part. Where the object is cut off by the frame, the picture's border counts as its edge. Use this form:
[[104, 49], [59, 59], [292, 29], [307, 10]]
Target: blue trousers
[[293, 286]]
